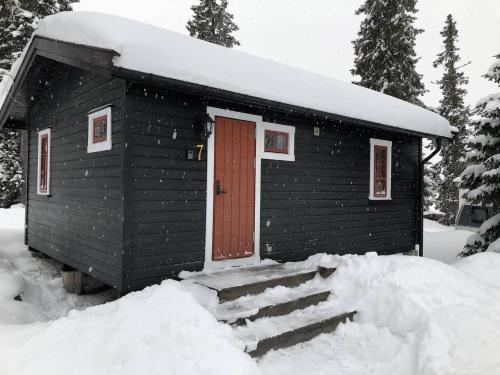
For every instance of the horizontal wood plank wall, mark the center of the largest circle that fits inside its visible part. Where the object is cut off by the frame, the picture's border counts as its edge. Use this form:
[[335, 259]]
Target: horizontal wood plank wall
[[319, 202], [78, 224], [168, 197]]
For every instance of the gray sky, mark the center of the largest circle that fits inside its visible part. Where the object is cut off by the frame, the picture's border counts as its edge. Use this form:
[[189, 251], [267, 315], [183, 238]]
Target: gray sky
[[316, 34]]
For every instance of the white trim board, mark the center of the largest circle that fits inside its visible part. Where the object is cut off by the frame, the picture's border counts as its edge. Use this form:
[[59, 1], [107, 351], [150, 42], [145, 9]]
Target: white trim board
[[290, 156], [388, 144], [39, 162], [255, 258], [104, 145]]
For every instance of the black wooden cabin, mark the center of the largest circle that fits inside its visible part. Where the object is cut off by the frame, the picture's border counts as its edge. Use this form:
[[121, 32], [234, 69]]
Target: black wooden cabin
[[134, 177]]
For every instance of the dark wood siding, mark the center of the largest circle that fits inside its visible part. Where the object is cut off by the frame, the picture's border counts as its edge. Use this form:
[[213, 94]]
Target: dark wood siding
[[318, 203], [168, 194], [79, 223]]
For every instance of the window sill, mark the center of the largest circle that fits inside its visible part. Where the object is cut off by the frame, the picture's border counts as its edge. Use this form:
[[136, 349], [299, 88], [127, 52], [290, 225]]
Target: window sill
[[100, 146], [380, 198], [278, 156]]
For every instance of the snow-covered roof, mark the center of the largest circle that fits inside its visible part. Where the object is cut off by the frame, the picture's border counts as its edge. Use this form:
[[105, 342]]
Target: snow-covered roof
[[149, 49]]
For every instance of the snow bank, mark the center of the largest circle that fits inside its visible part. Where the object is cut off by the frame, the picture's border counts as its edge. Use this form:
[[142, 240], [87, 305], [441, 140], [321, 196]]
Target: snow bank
[[37, 281], [416, 316], [161, 330], [443, 243], [484, 267], [148, 49]]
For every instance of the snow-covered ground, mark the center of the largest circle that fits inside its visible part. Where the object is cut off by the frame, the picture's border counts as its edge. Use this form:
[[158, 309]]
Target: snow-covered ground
[[443, 243], [38, 281], [416, 316]]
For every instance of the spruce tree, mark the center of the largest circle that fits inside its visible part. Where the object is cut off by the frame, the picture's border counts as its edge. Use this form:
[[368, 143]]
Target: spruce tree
[[18, 21], [10, 167], [431, 181], [212, 23], [481, 178], [453, 108], [385, 57]]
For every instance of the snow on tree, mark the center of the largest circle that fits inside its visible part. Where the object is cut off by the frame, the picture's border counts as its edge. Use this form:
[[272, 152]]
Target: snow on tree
[[481, 177], [431, 179], [453, 108], [10, 167], [18, 21], [385, 57], [212, 23]]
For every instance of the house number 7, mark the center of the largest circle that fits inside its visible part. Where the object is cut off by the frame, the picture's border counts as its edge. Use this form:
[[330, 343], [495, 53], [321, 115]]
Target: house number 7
[[200, 150]]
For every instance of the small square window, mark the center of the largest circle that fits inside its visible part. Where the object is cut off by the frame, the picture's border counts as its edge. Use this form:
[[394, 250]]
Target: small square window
[[99, 130], [276, 142]]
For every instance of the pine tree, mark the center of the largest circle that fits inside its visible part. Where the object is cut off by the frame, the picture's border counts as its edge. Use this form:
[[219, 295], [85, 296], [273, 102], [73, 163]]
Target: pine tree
[[10, 167], [431, 180], [18, 21], [453, 108], [481, 178], [212, 23], [385, 57]]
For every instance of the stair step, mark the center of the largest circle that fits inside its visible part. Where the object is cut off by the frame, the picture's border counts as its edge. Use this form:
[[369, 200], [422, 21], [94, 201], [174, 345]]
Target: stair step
[[298, 335], [284, 308], [290, 281]]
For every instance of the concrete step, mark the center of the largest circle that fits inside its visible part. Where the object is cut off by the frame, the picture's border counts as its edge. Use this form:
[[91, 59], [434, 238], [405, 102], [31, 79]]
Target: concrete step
[[283, 308], [297, 335], [290, 281]]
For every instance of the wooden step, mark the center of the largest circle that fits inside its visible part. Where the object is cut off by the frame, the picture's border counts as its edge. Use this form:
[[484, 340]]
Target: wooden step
[[299, 335], [290, 281], [284, 308]]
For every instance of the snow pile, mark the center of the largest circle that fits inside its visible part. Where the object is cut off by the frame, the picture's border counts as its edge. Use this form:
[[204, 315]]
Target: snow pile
[[161, 330], [148, 49], [37, 282], [443, 243], [484, 267], [416, 316]]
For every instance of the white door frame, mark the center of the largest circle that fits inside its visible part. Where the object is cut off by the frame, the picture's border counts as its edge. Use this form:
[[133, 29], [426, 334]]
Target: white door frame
[[255, 258]]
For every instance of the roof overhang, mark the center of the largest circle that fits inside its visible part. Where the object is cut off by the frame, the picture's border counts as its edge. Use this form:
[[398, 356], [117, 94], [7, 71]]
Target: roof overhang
[[255, 102], [100, 61], [93, 59]]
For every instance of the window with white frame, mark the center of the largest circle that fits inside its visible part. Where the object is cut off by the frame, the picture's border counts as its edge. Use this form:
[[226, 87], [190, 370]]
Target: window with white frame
[[380, 169], [43, 179], [99, 130], [276, 142]]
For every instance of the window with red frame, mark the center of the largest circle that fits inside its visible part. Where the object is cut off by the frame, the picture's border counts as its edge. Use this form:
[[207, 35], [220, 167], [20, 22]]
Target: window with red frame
[[276, 142], [100, 129], [380, 172], [44, 162]]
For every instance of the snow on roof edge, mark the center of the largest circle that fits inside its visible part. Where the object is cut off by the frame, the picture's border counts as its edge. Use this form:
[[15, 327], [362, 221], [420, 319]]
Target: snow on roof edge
[[153, 50]]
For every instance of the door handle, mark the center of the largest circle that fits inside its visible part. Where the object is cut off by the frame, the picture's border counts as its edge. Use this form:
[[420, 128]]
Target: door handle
[[218, 189]]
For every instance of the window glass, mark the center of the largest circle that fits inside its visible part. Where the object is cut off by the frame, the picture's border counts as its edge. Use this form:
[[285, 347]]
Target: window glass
[[276, 142], [479, 214], [380, 181], [100, 129]]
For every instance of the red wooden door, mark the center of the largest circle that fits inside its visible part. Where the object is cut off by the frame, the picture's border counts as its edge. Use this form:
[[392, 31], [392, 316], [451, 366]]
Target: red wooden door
[[234, 189]]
